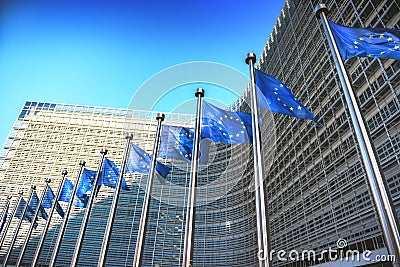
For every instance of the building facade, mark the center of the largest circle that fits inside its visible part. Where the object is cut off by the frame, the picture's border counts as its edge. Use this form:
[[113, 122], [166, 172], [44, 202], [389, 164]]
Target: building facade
[[317, 191], [47, 138]]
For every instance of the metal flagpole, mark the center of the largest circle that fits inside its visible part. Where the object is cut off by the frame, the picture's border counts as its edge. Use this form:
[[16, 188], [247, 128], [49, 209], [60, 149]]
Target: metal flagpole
[[7, 257], [82, 231], [137, 261], [264, 247], [191, 205], [5, 210], [46, 227], [7, 223], [66, 215], [111, 216], [387, 215], [28, 235]]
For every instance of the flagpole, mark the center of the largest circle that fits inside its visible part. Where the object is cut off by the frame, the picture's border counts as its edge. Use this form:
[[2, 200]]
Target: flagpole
[[111, 216], [137, 261], [5, 210], [191, 205], [46, 227], [63, 226], [383, 202], [14, 238], [7, 222], [264, 247], [82, 231], [29, 233]]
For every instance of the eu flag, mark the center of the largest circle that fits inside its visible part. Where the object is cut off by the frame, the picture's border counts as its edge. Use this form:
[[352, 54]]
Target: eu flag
[[273, 95], [29, 212], [366, 42], [35, 205], [176, 142], [66, 193], [48, 201], [139, 161], [86, 183], [110, 174], [224, 126]]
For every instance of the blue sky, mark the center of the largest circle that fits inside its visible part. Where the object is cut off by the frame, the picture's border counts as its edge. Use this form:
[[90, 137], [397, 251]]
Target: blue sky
[[100, 52]]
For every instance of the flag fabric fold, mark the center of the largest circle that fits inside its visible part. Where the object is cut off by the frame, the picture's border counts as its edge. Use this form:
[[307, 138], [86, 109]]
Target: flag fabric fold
[[86, 184], [66, 193], [274, 95], [139, 161], [224, 126], [110, 174], [366, 42], [30, 213], [48, 202], [35, 205], [176, 142]]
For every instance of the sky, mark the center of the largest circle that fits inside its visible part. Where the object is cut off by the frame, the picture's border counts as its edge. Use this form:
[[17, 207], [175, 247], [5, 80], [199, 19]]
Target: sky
[[102, 53]]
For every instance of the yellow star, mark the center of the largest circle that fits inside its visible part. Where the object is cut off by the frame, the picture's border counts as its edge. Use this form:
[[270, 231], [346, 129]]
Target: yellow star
[[237, 119], [355, 46], [284, 105], [299, 107], [241, 122], [355, 42], [224, 134], [231, 135], [275, 93], [371, 37], [281, 85], [276, 88], [237, 135], [390, 39], [381, 35], [361, 39], [225, 116], [278, 99], [396, 47], [291, 108], [231, 117], [383, 52], [190, 136], [220, 128]]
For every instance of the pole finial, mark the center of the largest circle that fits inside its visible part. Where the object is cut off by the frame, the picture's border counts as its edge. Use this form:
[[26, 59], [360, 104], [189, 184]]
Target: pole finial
[[103, 151], [20, 192], [64, 172], [47, 180], [128, 136], [250, 56], [199, 92], [82, 163], [33, 187], [160, 116], [319, 9], [9, 197]]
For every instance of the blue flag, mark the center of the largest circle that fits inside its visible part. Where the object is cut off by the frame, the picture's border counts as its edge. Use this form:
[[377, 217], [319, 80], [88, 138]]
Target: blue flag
[[20, 209], [48, 202], [86, 184], [4, 218], [139, 161], [366, 42], [176, 142], [110, 174], [35, 205], [224, 126], [273, 95], [66, 193]]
